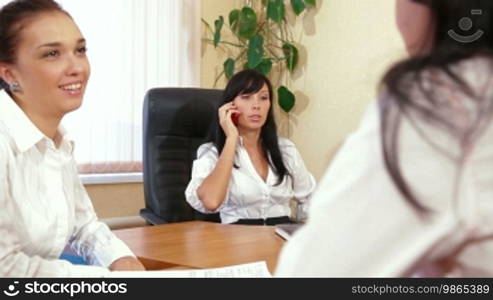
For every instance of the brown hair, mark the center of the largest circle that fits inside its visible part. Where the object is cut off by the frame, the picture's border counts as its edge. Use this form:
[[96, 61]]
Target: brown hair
[[12, 16]]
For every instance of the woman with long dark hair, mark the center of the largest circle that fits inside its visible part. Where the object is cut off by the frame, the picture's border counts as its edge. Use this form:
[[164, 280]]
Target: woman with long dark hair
[[246, 172], [419, 201]]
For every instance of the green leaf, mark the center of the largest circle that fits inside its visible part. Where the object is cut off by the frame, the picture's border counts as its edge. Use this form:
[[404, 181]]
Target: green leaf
[[229, 68], [286, 98], [298, 6], [264, 66], [292, 55], [311, 3], [276, 10], [234, 16], [247, 22], [255, 51], [218, 24]]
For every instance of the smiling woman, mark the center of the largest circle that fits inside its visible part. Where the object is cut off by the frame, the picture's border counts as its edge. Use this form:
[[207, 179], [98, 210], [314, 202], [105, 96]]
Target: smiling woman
[[51, 69], [44, 71]]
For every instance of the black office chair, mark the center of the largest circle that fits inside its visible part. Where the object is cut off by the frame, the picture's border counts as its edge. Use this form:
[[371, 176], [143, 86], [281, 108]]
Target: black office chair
[[176, 122]]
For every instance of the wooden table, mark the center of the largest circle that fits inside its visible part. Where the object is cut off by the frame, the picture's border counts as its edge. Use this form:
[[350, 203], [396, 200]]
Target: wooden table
[[201, 245]]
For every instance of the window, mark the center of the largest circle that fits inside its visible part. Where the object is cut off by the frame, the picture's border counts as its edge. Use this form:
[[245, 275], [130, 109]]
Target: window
[[133, 45]]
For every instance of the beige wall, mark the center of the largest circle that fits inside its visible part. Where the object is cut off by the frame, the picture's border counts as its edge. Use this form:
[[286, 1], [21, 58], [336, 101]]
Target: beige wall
[[347, 44], [116, 200], [212, 60]]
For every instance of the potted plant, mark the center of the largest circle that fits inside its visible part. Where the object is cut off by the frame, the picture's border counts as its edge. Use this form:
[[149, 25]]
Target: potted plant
[[261, 40]]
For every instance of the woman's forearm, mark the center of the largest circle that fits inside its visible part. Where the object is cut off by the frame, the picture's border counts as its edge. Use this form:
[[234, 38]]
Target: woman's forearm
[[213, 190]]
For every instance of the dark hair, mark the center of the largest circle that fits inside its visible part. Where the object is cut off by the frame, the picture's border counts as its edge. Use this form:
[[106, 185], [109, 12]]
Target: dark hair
[[447, 50], [12, 17], [247, 82]]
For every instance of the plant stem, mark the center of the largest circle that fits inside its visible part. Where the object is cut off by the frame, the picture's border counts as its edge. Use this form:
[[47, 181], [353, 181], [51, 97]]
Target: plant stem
[[273, 53], [275, 46], [218, 77], [225, 42], [260, 27], [274, 34], [222, 72], [208, 26]]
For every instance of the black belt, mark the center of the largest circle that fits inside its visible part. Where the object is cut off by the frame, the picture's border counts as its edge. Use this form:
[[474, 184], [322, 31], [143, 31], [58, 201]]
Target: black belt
[[268, 221]]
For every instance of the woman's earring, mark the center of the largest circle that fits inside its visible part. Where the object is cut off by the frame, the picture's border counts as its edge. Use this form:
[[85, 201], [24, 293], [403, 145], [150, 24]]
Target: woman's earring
[[15, 87]]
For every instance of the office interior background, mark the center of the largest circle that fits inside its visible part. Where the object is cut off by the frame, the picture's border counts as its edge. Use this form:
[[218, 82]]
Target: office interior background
[[135, 45]]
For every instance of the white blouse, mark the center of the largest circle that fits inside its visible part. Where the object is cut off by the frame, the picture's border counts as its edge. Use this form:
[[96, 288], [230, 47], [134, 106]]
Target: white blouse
[[44, 205], [249, 196], [359, 225]]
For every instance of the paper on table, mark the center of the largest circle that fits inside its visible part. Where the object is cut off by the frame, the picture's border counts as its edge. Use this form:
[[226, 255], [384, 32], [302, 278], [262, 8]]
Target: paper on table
[[250, 270], [286, 231]]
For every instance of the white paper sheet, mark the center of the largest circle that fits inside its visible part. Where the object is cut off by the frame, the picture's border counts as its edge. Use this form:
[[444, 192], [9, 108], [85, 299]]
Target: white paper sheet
[[250, 270]]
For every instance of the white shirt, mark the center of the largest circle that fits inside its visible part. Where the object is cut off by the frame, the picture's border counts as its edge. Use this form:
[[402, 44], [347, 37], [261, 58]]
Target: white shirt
[[248, 195], [44, 205], [359, 225]]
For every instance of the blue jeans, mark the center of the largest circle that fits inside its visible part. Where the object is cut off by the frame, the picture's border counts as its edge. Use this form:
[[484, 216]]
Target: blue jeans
[[76, 260]]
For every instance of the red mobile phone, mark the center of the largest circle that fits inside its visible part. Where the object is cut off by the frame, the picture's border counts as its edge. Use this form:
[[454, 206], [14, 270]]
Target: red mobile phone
[[234, 118]]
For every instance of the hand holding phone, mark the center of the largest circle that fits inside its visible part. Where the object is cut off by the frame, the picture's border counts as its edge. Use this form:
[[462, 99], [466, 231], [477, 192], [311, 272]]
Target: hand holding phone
[[234, 118], [228, 119]]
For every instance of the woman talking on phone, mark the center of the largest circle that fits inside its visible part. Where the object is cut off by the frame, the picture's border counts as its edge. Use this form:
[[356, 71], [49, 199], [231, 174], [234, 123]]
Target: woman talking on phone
[[246, 172]]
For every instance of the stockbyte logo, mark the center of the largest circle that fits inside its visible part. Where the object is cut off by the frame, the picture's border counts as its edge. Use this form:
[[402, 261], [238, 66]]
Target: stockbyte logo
[[12, 291]]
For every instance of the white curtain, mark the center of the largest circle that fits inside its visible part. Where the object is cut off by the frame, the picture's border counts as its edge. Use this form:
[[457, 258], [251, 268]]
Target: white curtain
[[133, 45]]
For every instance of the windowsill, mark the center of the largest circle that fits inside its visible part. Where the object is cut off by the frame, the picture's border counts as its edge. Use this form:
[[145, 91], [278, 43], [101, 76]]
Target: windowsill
[[114, 178]]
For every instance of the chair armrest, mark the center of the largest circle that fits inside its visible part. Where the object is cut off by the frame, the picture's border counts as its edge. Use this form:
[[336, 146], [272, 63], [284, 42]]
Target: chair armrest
[[151, 218], [124, 222]]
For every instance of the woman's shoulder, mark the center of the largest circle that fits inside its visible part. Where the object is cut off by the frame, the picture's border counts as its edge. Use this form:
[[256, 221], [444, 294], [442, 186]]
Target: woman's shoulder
[[463, 86], [475, 64], [475, 72], [5, 139], [5, 145], [285, 142], [206, 149], [287, 147]]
